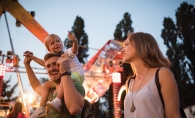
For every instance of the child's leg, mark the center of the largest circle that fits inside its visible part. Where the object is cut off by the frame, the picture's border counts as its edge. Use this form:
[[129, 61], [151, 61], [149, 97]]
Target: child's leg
[[56, 103], [44, 96], [60, 92], [75, 77], [40, 112]]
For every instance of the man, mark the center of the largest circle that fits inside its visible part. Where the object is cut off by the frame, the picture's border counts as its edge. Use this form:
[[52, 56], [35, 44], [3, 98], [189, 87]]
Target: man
[[73, 91]]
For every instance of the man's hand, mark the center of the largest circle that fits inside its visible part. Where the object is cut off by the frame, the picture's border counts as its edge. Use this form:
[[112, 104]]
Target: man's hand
[[28, 57], [28, 53], [63, 64], [72, 37]]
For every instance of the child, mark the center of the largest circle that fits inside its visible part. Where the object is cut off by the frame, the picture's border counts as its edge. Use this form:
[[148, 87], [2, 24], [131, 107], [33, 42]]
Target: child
[[54, 44]]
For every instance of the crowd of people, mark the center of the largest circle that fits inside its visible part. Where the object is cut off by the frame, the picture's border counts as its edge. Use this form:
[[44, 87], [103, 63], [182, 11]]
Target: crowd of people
[[62, 96]]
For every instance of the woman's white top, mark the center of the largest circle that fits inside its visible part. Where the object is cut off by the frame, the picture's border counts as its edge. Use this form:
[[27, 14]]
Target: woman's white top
[[147, 102]]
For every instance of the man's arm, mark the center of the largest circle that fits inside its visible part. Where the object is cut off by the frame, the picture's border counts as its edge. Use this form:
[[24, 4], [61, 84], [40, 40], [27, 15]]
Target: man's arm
[[73, 99], [34, 82]]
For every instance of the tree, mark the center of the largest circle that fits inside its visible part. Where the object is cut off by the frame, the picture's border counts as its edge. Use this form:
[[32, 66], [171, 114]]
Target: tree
[[180, 41], [123, 28], [78, 30], [8, 91], [121, 32]]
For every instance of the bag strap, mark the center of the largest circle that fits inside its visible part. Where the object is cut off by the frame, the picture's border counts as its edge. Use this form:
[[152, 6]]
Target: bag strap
[[128, 83], [158, 86], [182, 113]]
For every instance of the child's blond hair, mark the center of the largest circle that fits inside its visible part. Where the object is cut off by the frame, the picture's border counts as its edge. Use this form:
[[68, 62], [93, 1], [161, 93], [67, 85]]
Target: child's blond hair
[[47, 38]]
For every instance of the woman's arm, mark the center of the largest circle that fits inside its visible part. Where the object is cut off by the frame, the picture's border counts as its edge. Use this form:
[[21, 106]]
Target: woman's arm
[[170, 93]]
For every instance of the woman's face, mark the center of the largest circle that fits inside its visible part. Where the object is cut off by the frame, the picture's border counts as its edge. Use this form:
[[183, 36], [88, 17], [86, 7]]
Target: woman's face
[[129, 52]]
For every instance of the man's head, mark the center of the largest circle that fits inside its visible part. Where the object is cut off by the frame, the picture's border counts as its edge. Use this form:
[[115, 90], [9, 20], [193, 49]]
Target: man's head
[[53, 43], [51, 66]]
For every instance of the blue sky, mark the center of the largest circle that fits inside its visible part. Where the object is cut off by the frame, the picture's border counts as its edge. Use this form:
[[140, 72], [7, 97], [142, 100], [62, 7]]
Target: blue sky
[[100, 17]]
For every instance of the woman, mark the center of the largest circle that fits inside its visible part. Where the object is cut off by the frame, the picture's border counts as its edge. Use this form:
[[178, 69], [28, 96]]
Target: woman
[[142, 99], [16, 111]]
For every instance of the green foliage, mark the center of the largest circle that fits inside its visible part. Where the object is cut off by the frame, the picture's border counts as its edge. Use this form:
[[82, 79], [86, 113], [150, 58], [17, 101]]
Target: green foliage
[[8, 91], [82, 37], [123, 28], [180, 41]]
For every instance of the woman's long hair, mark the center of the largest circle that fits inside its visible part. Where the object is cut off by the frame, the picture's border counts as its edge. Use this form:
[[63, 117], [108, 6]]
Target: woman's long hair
[[148, 50], [16, 109]]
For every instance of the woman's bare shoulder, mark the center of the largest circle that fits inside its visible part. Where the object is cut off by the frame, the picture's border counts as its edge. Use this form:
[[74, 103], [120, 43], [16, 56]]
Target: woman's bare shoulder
[[166, 75]]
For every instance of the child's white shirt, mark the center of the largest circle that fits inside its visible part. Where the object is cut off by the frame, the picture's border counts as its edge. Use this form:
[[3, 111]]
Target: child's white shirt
[[75, 65]]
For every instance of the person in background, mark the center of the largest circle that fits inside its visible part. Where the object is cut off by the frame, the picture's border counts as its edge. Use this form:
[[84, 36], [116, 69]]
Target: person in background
[[16, 111], [142, 98]]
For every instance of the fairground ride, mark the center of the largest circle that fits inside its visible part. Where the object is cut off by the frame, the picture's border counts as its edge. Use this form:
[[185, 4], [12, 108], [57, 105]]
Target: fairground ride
[[99, 70]]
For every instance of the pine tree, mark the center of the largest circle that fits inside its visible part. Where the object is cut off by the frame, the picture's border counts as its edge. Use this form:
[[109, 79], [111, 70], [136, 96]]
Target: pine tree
[[180, 41], [123, 28], [78, 30], [121, 32]]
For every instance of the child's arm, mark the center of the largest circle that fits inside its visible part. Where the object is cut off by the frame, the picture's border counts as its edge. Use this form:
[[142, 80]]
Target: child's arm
[[72, 38], [36, 59]]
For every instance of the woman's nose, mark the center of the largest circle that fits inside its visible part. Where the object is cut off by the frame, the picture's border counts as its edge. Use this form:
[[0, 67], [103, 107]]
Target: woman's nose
[[122, 50]]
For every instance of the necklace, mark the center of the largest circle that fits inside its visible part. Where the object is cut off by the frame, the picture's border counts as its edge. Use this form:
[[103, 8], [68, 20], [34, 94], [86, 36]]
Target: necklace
[[133, 106]]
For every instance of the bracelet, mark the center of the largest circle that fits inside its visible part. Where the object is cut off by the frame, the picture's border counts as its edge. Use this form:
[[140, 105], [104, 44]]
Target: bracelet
[[66, 73]]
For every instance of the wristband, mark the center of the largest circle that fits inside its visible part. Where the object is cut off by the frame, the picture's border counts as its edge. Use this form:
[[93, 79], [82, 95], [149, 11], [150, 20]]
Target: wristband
[[66, 73]]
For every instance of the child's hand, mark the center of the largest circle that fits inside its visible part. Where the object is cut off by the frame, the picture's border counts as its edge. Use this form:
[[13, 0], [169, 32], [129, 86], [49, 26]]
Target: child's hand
[[72, 37]]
